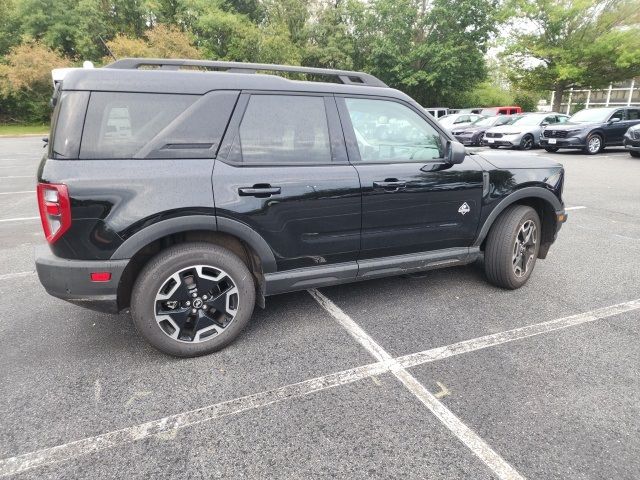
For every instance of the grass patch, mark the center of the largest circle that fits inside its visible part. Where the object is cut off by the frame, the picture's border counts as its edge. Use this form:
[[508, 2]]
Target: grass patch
[[24, 129]]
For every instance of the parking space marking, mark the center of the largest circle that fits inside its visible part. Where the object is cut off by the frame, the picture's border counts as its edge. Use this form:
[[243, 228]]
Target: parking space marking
[[14, 193], [8, 276], [579, 207], [535, 329], [67, 451], [19, 219], [498, 465], [18, 176]]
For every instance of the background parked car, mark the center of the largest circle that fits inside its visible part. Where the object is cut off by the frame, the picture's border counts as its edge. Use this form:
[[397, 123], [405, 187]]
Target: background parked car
[[438, 112], [524, 132], [473, 134], [501, 110], [458, 120], [592, 129], [632, 140]]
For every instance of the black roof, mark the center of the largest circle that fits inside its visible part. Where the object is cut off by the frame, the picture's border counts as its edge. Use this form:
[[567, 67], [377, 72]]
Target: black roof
[[124, 76]]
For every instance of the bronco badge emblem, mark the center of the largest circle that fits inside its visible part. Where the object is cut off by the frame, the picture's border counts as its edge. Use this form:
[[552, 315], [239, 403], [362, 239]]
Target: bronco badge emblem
[[464, 208]]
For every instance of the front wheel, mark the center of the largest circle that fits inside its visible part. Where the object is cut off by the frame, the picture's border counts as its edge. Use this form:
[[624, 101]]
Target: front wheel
[[595, 144], [192, 299], [512, 247], [634, 154], [527, 142]]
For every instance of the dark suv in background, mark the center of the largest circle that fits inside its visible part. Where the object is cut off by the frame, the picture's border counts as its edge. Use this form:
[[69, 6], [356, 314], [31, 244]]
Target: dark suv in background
[[591, 130], [190, 196]]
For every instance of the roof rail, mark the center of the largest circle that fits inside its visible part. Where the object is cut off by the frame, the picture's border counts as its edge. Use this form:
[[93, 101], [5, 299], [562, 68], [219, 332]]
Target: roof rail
[[344, 76]]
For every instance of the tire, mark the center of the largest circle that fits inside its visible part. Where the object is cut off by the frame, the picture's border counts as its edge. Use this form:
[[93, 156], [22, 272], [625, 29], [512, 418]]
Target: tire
[[634, 154], [551, 149], [527, 142], [595, 144], [222, 284], [499, 262]]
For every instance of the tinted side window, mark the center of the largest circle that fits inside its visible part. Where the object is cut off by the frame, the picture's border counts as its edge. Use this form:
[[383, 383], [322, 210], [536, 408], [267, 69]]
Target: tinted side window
[[67, 125], [633, 114], [619, 114], [387, 131], [283, 129], [120, 125]]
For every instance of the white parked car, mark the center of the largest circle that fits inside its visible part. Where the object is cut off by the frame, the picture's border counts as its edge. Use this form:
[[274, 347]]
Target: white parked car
[[457, 120]]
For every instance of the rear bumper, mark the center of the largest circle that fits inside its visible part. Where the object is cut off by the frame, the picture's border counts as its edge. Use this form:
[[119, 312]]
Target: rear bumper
[[70, 280]]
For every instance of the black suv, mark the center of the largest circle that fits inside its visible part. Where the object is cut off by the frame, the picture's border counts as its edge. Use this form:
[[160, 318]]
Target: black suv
[[591, 129], [189, 196]]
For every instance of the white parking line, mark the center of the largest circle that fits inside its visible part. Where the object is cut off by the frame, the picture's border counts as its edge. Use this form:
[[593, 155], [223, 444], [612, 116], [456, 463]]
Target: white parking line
[[19, 219], [9, 276], [13, 193], [18, 176], [579, 207], [67, 451], [468, 437]]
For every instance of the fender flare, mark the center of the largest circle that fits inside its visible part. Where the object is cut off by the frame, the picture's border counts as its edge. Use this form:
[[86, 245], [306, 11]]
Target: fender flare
[[527, 192], [144, 237]]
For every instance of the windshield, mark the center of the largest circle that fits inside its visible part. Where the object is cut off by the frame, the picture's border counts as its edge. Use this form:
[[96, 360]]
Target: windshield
[[493, 121], [447, 119], [529, 120], [591, 115]]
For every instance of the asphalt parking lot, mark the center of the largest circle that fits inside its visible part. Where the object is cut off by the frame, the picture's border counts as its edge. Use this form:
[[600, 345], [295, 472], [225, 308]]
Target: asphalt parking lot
[[437, 376]]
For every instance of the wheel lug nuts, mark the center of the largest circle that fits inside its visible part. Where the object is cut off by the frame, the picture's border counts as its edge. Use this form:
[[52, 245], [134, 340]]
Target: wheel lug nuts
[[187, 303], [204, 307], [194, 294], [204, 297], [193, 310]]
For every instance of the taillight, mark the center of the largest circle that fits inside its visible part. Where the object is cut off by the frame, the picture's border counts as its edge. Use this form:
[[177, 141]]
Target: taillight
[[55, 210]]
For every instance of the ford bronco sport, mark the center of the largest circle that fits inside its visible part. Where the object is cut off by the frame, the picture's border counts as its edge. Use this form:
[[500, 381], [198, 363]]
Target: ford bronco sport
[[188, 191]]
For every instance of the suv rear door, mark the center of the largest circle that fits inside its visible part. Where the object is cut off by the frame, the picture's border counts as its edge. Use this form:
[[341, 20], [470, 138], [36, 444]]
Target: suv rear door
[[283, 171], [412, 201]]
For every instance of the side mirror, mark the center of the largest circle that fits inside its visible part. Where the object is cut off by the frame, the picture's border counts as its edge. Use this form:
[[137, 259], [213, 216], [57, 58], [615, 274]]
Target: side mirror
[[456, 153], [614, 120], [544, 124]]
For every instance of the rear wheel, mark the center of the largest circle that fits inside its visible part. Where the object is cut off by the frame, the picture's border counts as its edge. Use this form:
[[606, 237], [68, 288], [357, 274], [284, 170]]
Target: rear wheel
[[551, 149], [192, 299], [634, 154], [512, 247], [595, 144]]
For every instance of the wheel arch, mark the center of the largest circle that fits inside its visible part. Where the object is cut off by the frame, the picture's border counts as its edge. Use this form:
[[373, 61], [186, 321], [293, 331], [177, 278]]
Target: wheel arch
[[545, 203], [245, 242]]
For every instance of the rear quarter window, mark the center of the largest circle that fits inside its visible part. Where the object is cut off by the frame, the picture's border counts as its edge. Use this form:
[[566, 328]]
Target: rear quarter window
[[149, 125], [66, 127]]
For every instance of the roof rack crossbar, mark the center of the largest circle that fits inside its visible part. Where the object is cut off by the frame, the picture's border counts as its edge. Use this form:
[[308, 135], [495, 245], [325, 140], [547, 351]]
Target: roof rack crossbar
[[344, 76]]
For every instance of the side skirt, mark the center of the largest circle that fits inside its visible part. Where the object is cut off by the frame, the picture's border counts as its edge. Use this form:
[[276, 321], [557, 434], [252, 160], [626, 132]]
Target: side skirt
[[325, 275]]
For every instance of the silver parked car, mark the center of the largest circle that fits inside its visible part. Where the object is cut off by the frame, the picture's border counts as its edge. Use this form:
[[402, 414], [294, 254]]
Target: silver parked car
[[523, 133], [457, 120]]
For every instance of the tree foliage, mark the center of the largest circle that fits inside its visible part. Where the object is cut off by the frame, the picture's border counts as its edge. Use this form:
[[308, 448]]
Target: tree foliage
[[574, 43], [25, 81]]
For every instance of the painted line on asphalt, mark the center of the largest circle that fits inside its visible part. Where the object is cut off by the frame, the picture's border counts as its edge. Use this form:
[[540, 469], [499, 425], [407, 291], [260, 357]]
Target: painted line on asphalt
[[14, 193], [579, 207], [9, 276], [60, 453], [67, 451], [498, 465], [520, 333], [19, 219], [17, 176]]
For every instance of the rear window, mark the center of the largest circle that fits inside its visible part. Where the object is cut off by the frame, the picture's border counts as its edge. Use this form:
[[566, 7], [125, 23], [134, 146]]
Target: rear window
[[149, 125]]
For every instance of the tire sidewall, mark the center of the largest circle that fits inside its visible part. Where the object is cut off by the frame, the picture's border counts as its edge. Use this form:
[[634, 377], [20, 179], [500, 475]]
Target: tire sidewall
[[589, 138], [530, 214], [157, 272]]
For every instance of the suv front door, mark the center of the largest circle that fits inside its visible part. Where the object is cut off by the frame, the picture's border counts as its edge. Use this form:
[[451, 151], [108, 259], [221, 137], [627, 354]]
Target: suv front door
[[412, 200], [615, 131], [284, 172]]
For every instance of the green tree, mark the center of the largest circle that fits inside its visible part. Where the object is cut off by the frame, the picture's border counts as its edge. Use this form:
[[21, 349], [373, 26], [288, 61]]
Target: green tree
[[432, 50], [574, 43]]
